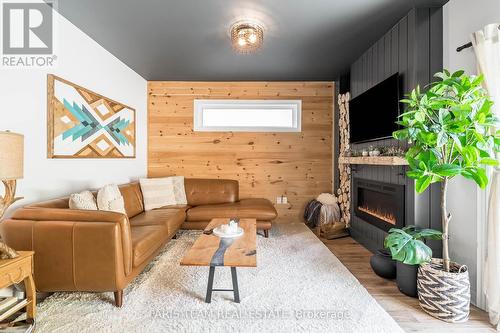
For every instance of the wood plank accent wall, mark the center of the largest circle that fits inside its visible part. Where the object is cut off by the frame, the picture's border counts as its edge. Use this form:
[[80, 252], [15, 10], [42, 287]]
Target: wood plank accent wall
[[298, 165]]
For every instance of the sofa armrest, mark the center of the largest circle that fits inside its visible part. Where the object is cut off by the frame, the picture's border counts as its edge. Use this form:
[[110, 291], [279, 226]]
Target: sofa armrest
[[92, 249]]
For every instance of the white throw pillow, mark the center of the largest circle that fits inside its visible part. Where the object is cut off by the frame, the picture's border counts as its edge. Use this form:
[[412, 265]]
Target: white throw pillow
[[109, 198], [157, 192], [84, 200], [179, 190]]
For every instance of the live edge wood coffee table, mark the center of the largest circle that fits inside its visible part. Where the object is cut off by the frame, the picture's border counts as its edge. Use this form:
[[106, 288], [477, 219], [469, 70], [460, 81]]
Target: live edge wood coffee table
[[210, 250]]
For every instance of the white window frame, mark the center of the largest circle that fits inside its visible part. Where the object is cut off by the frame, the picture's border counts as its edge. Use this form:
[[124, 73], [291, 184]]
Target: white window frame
[[201, 104]]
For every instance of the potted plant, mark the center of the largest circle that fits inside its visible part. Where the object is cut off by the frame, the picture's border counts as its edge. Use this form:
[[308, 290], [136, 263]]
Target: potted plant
[[383, 265], [409, 251], [450, 128]]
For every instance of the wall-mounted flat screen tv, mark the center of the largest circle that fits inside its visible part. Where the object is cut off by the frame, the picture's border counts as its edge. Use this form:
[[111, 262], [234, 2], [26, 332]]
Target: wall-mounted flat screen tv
[[372, 115]]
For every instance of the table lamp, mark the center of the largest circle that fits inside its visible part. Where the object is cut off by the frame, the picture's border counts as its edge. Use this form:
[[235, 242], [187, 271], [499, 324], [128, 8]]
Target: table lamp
[[11, 169]]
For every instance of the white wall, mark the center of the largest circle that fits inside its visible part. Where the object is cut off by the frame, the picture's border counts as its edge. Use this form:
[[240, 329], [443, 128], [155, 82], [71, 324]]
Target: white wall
[[23, 109], [461, 18]]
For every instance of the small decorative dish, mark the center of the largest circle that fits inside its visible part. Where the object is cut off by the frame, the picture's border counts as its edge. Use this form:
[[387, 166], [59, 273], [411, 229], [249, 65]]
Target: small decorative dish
[[220, 232]]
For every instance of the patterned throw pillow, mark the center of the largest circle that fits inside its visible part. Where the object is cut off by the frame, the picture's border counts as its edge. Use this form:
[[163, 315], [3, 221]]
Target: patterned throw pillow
[[157, 192], [84, 200], [179, 190], [109, 198]]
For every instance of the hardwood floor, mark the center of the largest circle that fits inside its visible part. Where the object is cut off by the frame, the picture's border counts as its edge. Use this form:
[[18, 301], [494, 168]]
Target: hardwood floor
[[405, 310]]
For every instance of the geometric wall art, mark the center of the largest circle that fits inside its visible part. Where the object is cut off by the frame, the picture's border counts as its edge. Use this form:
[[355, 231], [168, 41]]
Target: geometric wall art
[[84, 124]]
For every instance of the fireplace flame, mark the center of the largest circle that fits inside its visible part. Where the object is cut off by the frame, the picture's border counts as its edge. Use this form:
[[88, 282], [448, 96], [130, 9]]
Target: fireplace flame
[[387, 217]]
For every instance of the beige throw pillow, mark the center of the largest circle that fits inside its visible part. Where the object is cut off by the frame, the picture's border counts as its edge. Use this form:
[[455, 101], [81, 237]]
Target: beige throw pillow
[[84, 200], [109, 198], [179, 190], [157, 192]]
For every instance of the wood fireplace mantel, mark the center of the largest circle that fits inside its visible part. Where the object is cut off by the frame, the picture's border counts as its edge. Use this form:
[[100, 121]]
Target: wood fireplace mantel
[[373, 160]]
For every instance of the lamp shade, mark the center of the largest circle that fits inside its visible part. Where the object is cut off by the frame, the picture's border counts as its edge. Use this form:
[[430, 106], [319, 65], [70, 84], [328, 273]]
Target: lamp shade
[[11, 155]]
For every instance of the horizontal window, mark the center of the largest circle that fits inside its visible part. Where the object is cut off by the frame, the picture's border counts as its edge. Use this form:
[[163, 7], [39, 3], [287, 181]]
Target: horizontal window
[[247, 115]]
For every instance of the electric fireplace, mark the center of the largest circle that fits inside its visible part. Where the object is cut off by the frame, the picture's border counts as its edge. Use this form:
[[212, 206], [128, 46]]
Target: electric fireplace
[[380, 204]]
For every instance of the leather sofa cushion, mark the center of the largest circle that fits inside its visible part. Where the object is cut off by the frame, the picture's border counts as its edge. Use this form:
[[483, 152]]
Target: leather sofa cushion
[[132, 196], [260, 209], [146, 240], [152, 217], [210, 191], [172, 218], [174, 223]]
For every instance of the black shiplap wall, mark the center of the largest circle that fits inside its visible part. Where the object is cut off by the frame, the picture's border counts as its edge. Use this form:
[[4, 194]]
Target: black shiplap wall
[[413, 47]]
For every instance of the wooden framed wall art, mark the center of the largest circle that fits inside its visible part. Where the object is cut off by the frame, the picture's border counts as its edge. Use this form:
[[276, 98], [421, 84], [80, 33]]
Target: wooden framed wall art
[[84, 124]]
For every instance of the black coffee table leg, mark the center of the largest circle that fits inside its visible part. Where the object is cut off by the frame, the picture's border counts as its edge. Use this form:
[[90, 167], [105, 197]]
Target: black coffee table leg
[[235, 285], [210, 285]]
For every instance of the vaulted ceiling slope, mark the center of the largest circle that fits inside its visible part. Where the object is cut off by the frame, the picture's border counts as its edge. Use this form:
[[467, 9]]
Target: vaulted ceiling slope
[[189, 39]]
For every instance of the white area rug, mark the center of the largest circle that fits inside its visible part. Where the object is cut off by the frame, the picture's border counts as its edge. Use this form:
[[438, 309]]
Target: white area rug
[[299, 285]]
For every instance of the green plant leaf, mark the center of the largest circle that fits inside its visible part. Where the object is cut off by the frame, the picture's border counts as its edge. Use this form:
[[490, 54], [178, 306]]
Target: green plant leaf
[[422, 233], [478, 175], [415, 174], [456, 140], [470, 155], [443, 114], [442, 139], [400, 134], [420, 116], [422, 183], [423, 165], [428, 234], [427, 138], [489, 161], [406, 245], [410, 229], [442, 76], [447, 170], [413, 94], [477, 80]]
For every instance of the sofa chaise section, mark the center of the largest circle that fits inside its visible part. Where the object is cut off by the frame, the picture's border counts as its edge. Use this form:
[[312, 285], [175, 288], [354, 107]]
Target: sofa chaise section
[[212, 198]]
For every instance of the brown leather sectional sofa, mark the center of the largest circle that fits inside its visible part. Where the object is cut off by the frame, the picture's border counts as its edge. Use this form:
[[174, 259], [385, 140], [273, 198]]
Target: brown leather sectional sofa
[[81, 250]]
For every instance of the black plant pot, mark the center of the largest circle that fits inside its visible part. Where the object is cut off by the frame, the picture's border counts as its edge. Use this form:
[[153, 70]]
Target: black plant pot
[[407, 278], [383, 265]]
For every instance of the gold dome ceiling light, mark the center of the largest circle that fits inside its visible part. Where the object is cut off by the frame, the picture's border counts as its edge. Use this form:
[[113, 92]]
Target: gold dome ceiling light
[[246, 37]]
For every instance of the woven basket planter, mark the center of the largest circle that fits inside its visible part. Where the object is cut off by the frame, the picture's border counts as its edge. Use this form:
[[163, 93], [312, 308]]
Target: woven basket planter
[[444, 295]]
